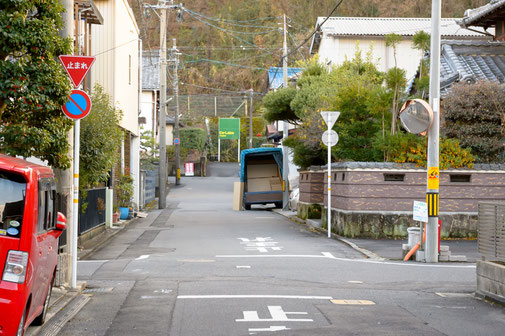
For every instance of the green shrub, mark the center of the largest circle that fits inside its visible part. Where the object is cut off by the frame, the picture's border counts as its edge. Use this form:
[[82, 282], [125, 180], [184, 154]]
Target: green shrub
[[193, 138]]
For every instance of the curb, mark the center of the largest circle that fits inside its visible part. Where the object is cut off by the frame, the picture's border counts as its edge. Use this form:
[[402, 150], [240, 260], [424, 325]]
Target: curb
[[311, 224]]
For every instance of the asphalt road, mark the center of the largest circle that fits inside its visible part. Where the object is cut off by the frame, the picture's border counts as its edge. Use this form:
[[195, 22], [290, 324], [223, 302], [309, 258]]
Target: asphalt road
[[198, 268]]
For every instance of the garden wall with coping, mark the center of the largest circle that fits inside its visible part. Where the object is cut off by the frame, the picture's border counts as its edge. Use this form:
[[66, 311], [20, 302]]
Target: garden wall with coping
[[375, 200]]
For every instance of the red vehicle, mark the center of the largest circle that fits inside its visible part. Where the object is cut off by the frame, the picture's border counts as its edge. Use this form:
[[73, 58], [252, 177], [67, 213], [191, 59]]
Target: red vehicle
[[29, 231]]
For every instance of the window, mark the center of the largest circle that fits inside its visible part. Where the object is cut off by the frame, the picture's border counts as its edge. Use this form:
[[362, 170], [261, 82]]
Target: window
[[394, 177], [460, 178], [47, 203], [12, 204]]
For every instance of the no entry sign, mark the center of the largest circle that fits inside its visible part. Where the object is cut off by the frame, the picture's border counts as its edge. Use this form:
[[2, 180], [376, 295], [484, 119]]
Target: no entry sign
[[77, 67], [78, 105]]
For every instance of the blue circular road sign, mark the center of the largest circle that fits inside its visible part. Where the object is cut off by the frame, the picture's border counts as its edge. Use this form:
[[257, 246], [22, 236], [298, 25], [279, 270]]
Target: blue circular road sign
[[177, 141], [78, 106]]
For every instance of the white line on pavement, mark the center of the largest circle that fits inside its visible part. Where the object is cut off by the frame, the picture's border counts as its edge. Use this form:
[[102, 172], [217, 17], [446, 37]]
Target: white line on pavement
[[255, 297], [270, 256], [144, 256], [328, 255]]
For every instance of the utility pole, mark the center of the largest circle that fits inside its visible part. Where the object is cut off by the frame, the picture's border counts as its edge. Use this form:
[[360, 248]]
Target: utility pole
[[251, 93], [162, 113], [64, 178], [174, 58], [432, 194], [285, 156], [163, 6]]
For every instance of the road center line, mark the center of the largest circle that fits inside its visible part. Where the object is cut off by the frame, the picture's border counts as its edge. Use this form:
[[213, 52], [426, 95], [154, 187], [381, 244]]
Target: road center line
[[299, 297]]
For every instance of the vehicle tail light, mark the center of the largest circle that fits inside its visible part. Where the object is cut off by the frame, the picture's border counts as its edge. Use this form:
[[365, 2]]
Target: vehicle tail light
[[15, 266]]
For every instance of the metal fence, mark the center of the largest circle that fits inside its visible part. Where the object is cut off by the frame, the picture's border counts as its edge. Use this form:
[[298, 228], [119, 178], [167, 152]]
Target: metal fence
[[147, 186], [94, 209], [492, 230]]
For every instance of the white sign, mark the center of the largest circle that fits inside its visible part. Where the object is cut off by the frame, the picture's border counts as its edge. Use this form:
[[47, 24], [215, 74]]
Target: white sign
[[330, 138], [330, 117], [421, 211], [189, 169]]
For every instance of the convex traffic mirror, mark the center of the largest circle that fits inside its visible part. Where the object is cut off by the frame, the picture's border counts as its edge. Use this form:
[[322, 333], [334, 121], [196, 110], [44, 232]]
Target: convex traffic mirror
[[416, 116]]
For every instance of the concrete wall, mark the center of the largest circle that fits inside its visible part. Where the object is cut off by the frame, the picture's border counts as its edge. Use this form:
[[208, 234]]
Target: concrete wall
[[491, 280], [116, 47]]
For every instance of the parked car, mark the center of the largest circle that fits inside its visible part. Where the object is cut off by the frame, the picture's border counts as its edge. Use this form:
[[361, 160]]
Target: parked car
[[261, 173], [29, 231]]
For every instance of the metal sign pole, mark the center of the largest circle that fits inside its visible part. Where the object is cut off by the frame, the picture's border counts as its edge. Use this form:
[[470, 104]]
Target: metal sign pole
[[75, 217], [329, 187]]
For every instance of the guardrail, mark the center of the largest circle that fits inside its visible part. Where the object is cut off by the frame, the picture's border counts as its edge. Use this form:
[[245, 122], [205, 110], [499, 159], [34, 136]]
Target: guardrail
[[492, 230]]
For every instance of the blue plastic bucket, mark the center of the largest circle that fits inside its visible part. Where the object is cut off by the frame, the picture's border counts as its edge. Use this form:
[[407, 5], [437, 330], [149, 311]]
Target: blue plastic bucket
[[124, 213]]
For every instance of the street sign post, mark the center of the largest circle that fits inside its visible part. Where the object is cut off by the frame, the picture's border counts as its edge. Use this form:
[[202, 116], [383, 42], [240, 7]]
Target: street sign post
[[229, 128], [330, 138], [76, 108], [77, 67]]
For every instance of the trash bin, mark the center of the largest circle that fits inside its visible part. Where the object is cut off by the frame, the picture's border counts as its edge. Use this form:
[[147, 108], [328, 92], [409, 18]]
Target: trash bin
[[414, 234]]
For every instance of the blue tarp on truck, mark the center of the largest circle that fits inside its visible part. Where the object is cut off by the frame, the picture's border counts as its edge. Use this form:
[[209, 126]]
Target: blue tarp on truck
[[264, 183]]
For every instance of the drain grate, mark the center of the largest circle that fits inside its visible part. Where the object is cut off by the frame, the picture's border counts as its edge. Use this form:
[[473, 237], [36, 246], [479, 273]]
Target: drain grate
[[54, 325], [98, 290]]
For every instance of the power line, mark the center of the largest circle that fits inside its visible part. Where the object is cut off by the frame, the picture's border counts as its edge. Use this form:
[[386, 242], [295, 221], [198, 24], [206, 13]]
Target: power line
[[231, 22], [222, 62], [229, 32], [304, 41]]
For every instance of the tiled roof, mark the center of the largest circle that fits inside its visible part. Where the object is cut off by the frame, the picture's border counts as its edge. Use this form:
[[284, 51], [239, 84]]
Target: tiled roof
[[483, 16], [470, 61], [366, 26], [151, 70]]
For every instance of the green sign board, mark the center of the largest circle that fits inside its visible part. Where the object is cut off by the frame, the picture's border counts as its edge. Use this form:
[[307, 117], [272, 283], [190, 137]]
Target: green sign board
[[229, 128]]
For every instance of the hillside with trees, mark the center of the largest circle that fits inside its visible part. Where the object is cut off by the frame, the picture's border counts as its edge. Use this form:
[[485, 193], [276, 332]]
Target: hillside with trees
[[216, 33]]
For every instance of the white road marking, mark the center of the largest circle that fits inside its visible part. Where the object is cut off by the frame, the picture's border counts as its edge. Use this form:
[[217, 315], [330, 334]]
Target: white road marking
[[145, 256], [272, 328], [277, 313], [164, 291], [270, 256], [328, 255], [243, 266], [355, 282], [260, 244], [299, 297]]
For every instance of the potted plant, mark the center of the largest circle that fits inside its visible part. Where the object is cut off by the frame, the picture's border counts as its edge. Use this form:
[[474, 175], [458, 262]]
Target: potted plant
[[124, 193]]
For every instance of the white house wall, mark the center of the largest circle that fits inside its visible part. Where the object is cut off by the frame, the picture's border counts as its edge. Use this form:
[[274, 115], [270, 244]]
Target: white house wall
[[116, 46], [146, 110], [337, 50]]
